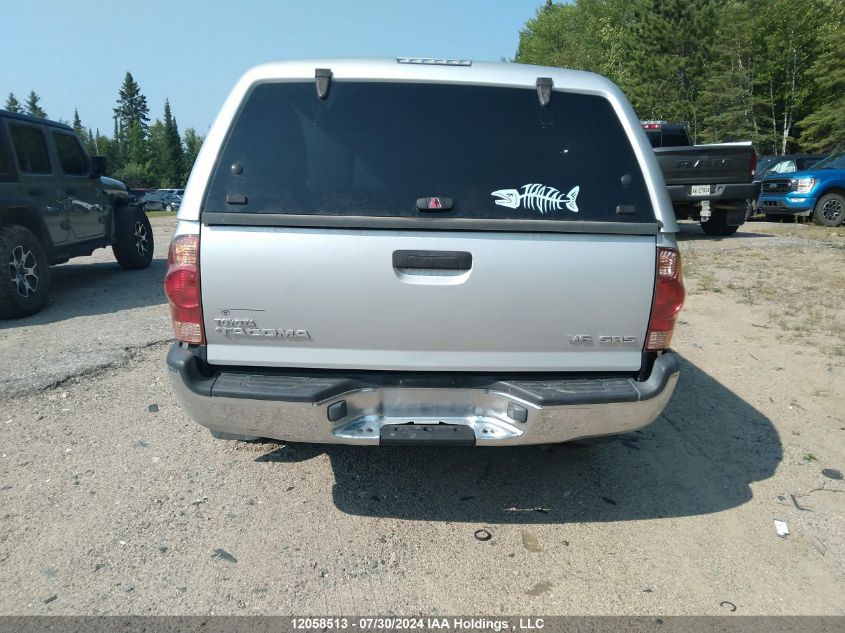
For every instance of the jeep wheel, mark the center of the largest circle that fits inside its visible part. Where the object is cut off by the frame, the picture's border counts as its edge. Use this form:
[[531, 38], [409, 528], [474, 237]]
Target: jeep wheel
[[717, 225], [133, 244], [169, 208], [830, 209], [25, 275]]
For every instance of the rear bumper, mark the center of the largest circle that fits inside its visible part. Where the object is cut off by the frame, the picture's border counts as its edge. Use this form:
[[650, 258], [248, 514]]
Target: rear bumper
[[330, 408], [737, 192]]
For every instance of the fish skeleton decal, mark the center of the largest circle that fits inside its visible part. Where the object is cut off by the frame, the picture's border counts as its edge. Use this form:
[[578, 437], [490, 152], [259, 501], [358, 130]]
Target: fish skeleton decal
[[537, 198]]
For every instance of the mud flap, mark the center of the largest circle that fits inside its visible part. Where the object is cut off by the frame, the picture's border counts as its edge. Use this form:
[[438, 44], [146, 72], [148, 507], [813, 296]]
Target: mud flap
[[735, 217]]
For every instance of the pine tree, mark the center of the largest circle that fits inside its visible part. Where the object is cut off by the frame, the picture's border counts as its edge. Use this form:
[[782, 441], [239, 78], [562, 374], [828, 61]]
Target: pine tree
[[157, 152], [12, 103], [91, 142], [78, 127], [77, 122], [136, 145], [727, 100], [110, 148], [172, 158], [770, 71], [192, 142], [32, 106], [824, 129], [131, 123], [131, 106], [668, 47]]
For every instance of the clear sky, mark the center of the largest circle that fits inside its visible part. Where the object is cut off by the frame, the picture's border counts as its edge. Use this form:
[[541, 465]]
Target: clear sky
[[75, 54]]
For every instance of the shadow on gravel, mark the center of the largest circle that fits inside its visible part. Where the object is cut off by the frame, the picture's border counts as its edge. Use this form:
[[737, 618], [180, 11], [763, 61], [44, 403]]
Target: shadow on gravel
[[697, 458], [97, 288], [693, 231]]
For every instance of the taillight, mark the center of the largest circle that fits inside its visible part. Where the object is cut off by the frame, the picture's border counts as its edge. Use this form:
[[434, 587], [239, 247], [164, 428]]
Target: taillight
[[182, 287], [753, 164], [668, 299]]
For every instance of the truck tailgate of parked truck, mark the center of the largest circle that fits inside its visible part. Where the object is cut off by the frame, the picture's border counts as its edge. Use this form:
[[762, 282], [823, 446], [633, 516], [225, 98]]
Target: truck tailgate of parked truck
[[476, 250], [715, 165]]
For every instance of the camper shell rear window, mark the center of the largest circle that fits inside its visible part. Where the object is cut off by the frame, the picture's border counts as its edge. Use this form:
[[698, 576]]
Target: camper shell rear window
[[383, 149]]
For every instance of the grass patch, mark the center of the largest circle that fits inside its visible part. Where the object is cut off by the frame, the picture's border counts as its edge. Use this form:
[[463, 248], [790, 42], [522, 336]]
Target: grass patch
[[799, 284], [161, 214], [707, 282]]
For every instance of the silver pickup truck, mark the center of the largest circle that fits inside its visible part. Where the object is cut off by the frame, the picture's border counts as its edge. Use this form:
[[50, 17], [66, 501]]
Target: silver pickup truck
[[423, 251]]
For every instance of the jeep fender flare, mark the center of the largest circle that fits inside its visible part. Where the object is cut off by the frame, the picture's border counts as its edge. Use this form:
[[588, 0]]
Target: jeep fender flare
[[14, 210]]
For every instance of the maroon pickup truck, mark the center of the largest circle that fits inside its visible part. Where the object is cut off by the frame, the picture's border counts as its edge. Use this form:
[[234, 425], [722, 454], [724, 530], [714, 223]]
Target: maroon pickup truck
[[709, 183]]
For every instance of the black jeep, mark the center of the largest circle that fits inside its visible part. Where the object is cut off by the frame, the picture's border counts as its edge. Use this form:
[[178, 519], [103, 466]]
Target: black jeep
[[56, 203]]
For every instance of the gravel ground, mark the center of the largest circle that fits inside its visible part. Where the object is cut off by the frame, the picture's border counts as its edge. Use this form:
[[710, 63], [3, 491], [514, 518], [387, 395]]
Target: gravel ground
[[97, 316], [113, 502]]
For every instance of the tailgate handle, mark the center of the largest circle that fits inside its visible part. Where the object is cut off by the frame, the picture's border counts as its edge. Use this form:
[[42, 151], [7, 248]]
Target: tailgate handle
[[432, 260]]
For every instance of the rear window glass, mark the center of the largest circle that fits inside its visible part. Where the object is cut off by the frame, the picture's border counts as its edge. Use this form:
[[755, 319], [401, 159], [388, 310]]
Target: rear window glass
[[30, 149], [806, 163], [375, 149], [668, 137], [763, 164], [784, 167], [653, 137], [71, 157], [4, 162], [675, 138]]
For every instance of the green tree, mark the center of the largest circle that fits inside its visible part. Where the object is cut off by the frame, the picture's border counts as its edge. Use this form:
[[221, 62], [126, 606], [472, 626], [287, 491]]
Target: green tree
[[823, 129], [552, 38], [132, 174], [32, 105], [101, 145], [97, 144], [586, 35], [786, 38], [668, 47], [192, 142], [131, 105], [727, 99], [770, 71], [135, 144], [79, 128], [131, 122], [91, 142], [172, 158], [157, 150], [12, 103], [77, 122]]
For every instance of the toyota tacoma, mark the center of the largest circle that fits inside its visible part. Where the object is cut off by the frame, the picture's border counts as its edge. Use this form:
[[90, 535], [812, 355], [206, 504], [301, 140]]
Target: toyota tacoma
[[424, 251]]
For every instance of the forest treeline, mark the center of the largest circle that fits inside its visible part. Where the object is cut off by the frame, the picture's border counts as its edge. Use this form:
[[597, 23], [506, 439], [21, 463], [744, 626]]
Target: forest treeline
[[771, 72], [140, 153]]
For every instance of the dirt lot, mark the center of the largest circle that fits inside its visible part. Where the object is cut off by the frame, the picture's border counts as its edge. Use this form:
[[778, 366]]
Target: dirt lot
[[113, 502]]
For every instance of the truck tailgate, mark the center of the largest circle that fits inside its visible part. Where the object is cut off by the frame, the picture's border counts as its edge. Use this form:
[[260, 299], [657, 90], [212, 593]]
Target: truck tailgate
[[707, 164], [450, 301]]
